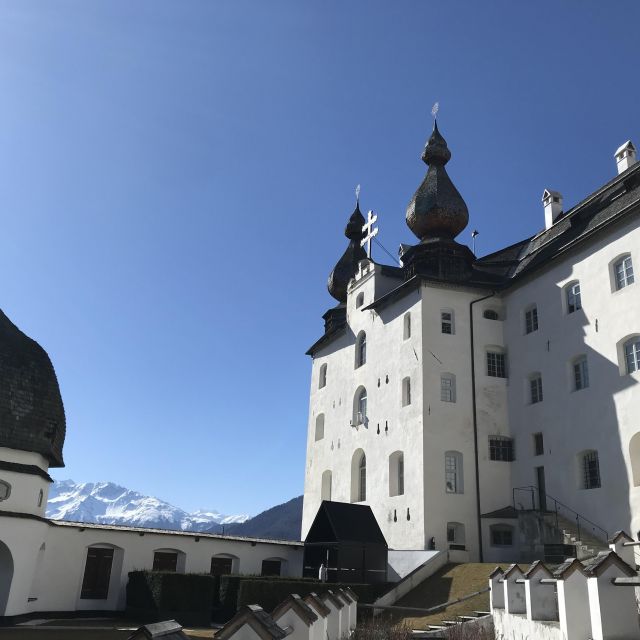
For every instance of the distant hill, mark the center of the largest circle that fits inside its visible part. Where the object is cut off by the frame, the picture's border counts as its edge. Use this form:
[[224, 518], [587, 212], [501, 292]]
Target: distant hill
[[283, 522]]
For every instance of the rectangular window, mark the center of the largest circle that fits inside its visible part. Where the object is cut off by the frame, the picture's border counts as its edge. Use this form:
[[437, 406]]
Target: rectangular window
[[535, 386], [221, 566], [531, 320], [451, 533], [165, 561], [451, 473], [580, 374], [446, 321], [407, 326], [97, 574], [574, 301], [406, 392], [271, 567], [501, 449], [447, 389], [591, 470], [538, 444], [501, 536], [624, 272], [496, 364], [401, 475]]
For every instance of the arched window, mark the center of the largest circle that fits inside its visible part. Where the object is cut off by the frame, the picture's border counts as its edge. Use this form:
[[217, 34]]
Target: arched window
[[573, 297], [407, 326], [447, 387], [453, 472], [590, 469], [632, 354], [325, 491], [171, 560], [491, 314], [319, 427], [501, 535], [623, 272], [360, 407], [358, 476], [361, 349], [224, 564], [359, 299], [406, 391], [455, 536], [447, 324], [322, 379], [396, 474], [634, 456], [102, 567]]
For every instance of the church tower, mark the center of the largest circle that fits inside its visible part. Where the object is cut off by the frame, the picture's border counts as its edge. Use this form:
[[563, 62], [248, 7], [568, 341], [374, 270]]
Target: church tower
[[394, 415]]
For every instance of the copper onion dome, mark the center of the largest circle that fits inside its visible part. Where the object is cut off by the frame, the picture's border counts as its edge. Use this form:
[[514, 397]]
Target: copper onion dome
[[437, 210], [348, 264], [31, 411]]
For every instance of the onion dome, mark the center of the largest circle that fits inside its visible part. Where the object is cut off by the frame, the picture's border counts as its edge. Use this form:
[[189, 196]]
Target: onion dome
[[348, 264], [437, 210], [31, 411]]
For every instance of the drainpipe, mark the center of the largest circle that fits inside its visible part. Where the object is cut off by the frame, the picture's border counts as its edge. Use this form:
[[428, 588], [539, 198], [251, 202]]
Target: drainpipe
[[475, 419]]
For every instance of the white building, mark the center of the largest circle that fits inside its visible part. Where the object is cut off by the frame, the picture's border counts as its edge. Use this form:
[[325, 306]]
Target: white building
[[53, 566], [443, 387]]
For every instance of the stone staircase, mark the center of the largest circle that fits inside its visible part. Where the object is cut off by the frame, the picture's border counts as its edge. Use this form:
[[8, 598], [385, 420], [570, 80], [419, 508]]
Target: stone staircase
[[586, 543], [439, 630]]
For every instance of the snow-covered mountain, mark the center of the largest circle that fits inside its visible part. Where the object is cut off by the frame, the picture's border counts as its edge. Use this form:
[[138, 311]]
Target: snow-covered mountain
[[109, 503]]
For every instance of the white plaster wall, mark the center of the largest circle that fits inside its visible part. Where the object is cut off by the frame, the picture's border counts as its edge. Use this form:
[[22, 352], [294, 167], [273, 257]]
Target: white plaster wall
[[245, 632], [25, 488], [66, 550], [602, 417], [390, 357], [402, 563], [517, 627], [334, 621], [23, 537]]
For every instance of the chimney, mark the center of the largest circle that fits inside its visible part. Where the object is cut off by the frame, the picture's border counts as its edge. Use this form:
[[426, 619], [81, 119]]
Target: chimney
[[552, 202], [625, 156]]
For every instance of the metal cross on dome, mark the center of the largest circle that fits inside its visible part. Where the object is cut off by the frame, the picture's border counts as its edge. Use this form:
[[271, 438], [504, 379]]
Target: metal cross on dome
[[369, 231]]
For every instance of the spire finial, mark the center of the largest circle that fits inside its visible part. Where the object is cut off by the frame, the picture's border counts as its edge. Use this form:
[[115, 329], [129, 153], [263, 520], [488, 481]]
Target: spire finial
[[358, 196], [434, 111]]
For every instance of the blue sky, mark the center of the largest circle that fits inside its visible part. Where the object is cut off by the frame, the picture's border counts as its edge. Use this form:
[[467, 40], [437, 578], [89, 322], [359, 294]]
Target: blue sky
[[175, 177]]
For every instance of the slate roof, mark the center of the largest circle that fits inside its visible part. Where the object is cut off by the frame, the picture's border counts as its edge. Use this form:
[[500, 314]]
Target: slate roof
[[536, 566], [614, 201], [620, 534], [345, 522], [330, 596], [603, 560], [31, 411]]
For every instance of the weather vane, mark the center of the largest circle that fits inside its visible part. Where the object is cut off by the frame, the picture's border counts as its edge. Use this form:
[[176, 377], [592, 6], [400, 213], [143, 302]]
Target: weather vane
[[358, 194], [435, 109]]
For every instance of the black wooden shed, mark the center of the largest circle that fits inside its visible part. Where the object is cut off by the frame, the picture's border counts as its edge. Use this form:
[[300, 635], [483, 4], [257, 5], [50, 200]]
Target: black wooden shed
[[346, 538]]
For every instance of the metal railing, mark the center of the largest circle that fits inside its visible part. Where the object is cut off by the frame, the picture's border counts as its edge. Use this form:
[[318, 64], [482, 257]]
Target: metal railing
[[542, 501]]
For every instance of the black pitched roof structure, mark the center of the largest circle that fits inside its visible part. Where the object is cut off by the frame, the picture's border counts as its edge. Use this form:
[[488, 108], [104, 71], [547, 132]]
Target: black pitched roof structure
[[31, 410], [437, 213], [347, 539]]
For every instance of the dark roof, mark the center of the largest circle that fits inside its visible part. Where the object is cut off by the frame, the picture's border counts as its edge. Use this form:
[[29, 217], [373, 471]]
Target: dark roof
[[330, 596], [167, 630], [506, 513], [604, 559], [498, 571], [345, 522], [565, 569], [258, 619], [295, 602], [620, 534], [31, 411], [29, 469], [536, 566]]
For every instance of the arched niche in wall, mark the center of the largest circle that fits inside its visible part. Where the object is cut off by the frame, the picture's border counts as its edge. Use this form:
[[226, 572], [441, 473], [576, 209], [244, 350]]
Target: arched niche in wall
[[6, 576]]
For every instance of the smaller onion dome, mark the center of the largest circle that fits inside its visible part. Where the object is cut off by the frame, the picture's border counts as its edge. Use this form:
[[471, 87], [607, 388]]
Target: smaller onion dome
[[348, 265], [31, 411], [437, 210]]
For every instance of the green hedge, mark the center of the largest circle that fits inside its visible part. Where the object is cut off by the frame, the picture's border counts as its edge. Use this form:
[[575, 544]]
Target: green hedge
[[165, 591], [270, 593]]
